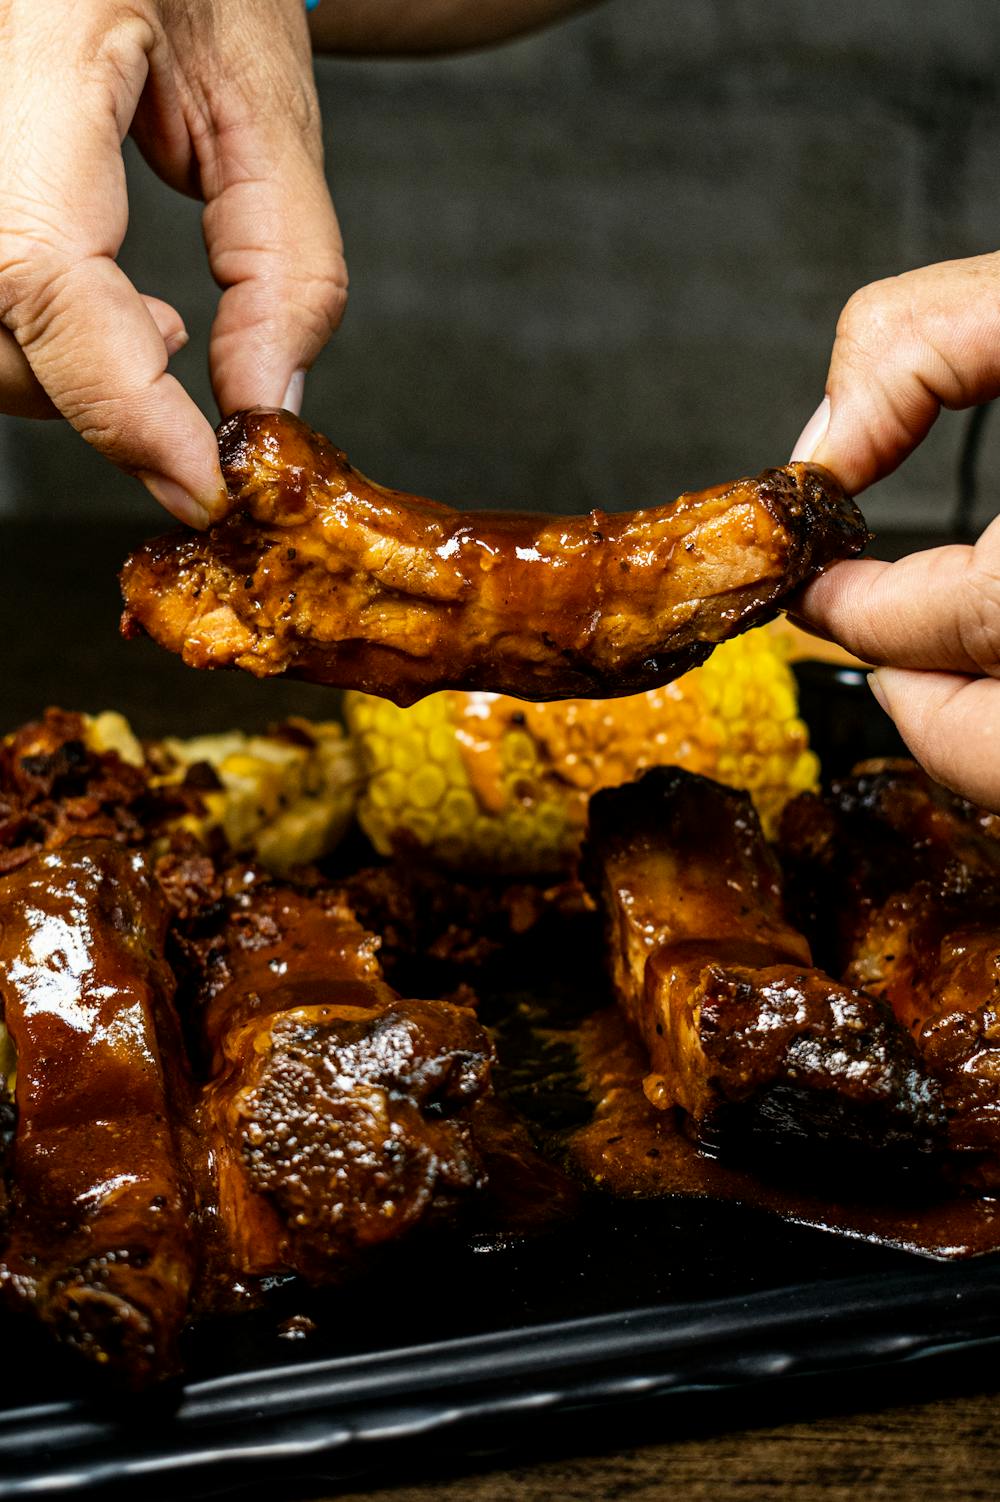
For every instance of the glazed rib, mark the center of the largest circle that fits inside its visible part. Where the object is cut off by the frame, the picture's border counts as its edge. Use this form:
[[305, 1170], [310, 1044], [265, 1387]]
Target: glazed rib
[[100, 1244], [337, 1113], [744, 1035], [914, 873], [323, 575]]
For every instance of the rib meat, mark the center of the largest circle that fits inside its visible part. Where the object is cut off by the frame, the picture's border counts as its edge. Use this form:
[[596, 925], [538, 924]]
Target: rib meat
[[99, 1241], [914, 873], [337, 1114], [324, 575], [743, 1033], [878, 833]]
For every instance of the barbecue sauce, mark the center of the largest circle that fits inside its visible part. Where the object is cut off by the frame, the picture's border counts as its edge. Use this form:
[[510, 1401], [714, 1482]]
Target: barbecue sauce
[[630, 1149]]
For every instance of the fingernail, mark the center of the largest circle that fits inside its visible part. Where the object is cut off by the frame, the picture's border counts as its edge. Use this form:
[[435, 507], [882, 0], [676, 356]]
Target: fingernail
[[292, 399], [176, 500], [812, 434], [878, 691], [176, 341]]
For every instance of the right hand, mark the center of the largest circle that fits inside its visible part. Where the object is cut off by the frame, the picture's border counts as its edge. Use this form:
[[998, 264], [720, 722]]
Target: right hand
[[221, 100], [930, 623]]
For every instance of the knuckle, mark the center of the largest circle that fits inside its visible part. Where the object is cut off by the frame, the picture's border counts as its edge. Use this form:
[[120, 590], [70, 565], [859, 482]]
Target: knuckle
[[303, 106], [30, 291], [114, 45], [111, 413], [108, 422], [870, 318], [88, 405], [274, 97], [27, 259], [327, 292], [97, 421], [979, 621], [316, 296], [321, 307]]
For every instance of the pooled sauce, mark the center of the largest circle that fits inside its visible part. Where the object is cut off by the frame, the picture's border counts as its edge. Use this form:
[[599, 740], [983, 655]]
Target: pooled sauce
[[629, 1149]]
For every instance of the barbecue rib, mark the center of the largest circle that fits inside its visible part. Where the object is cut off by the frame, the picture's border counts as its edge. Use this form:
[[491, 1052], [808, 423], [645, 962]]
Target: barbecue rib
[[913, 873], [99, 1242], [337, 1113], [743, 1034], [324, 575]]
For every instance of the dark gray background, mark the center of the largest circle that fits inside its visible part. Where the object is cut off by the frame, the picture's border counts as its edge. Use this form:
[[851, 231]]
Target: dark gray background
[[604, 264]]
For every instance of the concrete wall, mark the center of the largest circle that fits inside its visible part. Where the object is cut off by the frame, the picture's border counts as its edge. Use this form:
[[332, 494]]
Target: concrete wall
[[604, 264]]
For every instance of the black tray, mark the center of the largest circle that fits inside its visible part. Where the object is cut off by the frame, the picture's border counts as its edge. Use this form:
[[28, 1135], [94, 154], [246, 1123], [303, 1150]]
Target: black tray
[[498, 1335]]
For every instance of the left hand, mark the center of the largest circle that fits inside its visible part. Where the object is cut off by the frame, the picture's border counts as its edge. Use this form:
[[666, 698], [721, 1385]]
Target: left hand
[[219, 95]]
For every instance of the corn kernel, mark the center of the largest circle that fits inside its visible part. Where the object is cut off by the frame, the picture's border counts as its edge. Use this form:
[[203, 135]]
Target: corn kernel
[[427, 786]]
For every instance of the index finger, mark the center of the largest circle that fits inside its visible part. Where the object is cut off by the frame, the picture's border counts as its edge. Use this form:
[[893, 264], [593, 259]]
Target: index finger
[[905, 348]]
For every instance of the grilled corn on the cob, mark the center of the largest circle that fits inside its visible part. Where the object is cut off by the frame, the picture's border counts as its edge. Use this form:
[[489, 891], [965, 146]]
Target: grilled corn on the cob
[[286, 798], [480, 780]]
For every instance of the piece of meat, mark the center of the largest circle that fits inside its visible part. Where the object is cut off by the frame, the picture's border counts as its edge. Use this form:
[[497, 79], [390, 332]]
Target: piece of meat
[[960, 1043], [875, 835], [903, 864], [913, 872], [324, 575], [54, 788], [432, 927], [744, 1035], [277, 947], [99, 1244], [342, 1126], [337, 1114]]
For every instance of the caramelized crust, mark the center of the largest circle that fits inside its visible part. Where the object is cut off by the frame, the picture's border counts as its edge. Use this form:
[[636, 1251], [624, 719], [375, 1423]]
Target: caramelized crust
[[342, 1126], [324, 575], [880, 831], [100, 1243], [744, 1035]]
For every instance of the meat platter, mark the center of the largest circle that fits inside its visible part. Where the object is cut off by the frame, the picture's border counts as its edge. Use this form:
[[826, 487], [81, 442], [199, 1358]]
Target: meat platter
[[611, 1300]]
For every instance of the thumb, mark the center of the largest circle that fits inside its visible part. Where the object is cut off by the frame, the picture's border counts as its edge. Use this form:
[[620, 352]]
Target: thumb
[[905, 348]]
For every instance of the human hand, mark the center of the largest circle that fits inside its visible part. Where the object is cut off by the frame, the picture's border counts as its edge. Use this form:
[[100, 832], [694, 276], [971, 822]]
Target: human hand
[[905, 348], [220, 99]]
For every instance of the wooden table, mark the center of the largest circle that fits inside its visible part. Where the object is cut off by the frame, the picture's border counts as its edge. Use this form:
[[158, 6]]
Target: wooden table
[[927, 1432], [944, 1451]]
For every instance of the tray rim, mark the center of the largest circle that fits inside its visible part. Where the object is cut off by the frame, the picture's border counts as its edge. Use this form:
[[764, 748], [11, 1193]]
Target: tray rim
[[341, 1416]]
